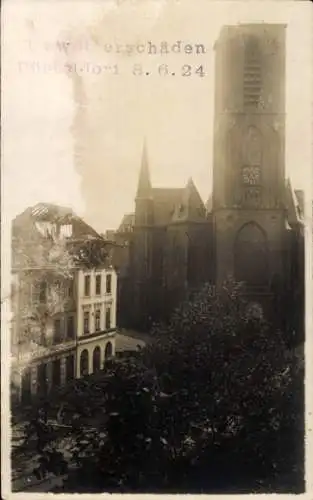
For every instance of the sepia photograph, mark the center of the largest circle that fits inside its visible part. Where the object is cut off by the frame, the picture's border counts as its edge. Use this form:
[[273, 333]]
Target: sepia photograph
[[156, 247]]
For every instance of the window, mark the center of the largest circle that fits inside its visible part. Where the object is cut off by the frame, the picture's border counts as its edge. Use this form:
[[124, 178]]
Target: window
[[84, 362], [70, 327], [42, 335], [26, 386], [108, 283], [42, 380], [58, 287], [96, 359], [70, 367], [57, 333], [66, 230], [70, 290], [59, 290], [108, 318], [33, 292], [98, 284], [43, 293], [87, 286], [252, 197], [86, 321], [97, 320], [108, 350], [56, 372]]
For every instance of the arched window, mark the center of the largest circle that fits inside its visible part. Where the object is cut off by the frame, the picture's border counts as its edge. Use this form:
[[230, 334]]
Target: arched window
[[42, 379], [251, 262], [252, 73], [84, 362], [56, 372], [96, 359], [108, 350], [26, 386], [70, 367]]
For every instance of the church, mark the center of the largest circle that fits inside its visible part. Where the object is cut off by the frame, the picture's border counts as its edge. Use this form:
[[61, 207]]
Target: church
[[252, 226]]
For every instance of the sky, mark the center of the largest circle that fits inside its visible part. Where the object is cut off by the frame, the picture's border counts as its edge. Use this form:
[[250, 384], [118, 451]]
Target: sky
[[172, 113]]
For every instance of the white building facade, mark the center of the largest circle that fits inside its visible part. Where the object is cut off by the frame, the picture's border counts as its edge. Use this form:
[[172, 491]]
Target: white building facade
[[78, 340], [96, 319]]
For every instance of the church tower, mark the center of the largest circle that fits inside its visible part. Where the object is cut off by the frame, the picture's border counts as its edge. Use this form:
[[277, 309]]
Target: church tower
[[143, 201], [142, 241], [249, 155]]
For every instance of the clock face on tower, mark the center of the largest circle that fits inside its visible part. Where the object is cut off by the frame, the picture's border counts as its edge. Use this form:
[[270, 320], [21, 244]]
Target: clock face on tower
[[251, 175]]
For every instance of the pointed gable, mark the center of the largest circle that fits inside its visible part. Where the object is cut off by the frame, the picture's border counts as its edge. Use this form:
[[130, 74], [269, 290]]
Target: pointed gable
[[190, 207], [127, 223]]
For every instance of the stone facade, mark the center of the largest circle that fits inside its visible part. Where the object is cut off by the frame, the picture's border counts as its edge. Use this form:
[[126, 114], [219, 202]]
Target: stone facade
[[47, 333], [252, 225]]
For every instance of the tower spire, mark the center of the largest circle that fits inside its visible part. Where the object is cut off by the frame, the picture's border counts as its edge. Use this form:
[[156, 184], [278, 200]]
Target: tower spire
[[144, 183]]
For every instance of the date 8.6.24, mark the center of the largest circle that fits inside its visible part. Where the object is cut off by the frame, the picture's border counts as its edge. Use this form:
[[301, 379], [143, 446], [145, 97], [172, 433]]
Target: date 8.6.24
[[164, 70]]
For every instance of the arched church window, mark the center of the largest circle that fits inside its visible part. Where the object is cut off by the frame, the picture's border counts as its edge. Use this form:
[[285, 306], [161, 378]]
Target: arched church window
[[252, 82], [251, 258]]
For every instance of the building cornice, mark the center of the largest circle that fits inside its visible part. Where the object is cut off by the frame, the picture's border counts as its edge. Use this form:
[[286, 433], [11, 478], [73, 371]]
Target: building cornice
[[84, 339], [42, 352]]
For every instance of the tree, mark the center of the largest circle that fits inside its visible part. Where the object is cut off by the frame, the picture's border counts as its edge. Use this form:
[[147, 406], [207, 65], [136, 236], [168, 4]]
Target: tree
[[209, 401], [237, 370], [90, 253], [43, 273], [44, 270]]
